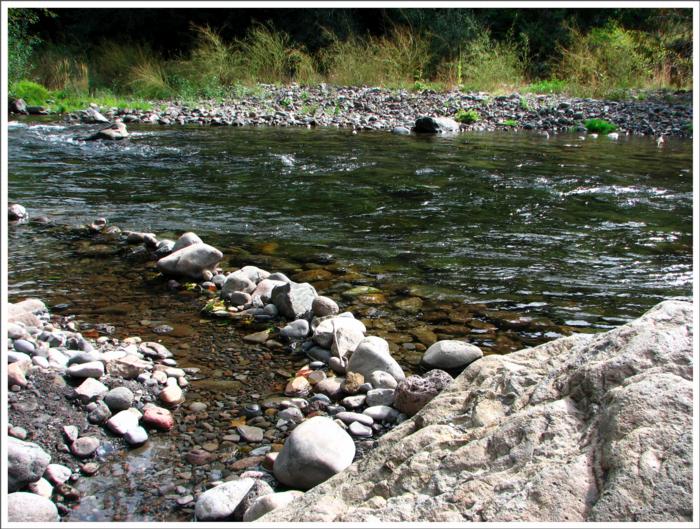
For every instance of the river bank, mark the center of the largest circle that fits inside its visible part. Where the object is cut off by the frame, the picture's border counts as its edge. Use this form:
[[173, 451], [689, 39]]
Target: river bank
[[364, 108]]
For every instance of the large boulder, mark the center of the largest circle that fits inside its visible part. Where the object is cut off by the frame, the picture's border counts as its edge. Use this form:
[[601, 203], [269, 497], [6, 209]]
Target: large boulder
[[28, 507], [315, 450], [294, 300], [26, 463], [346, 329], [433, 125], [373, 354], [451, 354], [191, 261], [587, 428], [221, 502], [186, 239]]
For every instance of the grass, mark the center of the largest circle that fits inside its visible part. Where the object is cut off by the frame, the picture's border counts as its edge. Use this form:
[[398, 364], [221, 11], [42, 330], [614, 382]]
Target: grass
[[599, 126], [467, 116], [509, 123], [551, 86]]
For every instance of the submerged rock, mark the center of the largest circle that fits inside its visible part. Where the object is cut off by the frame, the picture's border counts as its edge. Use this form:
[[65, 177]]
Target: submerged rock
[[616, 407], [116, 131], [16, 212]]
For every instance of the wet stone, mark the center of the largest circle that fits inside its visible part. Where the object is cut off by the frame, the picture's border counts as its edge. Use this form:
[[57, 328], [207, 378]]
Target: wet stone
[[85, 446]]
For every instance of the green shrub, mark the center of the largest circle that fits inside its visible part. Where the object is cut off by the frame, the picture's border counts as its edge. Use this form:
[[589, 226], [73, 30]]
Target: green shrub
[[20, 42], [599, 126], [33, 93], [467, 116], [509, 123]]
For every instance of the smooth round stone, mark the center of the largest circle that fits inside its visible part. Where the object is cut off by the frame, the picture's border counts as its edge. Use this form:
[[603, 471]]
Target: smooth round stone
[[291, 414], [87, 370], [382, 379], [320, 397], [41, 362], [330, 386], [316, 377], [251, 410], [251, 434], [451, 354], [349, 417], [119, 399], [42, 487], [171, 395], [24, 346], [136, 436], [295, 330], [360, 430], [124, 421], [57, 474], [317, 365], [26, 462], [197, 407], [28, 507], [15, 356], [220, 502], [298, 387], [324, 306], [320, 355], [83, 357], [157, 417], [354, 401], [239, 298], [186, 239], [85, 446], [381, 413], [338, 365], [315, 450], [15, 331], [335, 409]]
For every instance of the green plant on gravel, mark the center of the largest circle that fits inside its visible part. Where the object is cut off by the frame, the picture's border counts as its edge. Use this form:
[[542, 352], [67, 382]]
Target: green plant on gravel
[[509, 123], [524, 104], [467, 116], [286, 102], [599, 126], [551, 86]]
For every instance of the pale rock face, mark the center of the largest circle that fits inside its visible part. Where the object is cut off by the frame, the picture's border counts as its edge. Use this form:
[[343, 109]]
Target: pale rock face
[[28, 507], [372, 354], [585, 428], [220, 502]]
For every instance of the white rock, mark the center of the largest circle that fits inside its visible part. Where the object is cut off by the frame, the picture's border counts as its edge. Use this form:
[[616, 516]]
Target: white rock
[[57, 474], [26, 462], [220, 502], [124, 421], [382, 379], [270, 502], [86, 370], [451, 354], [373, 354], [28, 507], [190, 261], [186, 239]]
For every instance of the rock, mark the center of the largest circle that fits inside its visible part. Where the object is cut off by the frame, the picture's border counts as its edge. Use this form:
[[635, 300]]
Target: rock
[[251, 434], [25, 312], [412, 304], [70, 432], [352, 382], [349, 417], [26, 462], [617, 407], [415, 392], [324, 306], [28, 507], [382, 379], [136, 436], [186, 239], [298, 387], [380, 397], [191, 261], [16, 331], [91, 115], [18, 106], [239, 298], [257, 337], [296, 330], [400, 130], [155, 350], [270, 502], [238, 281], [294, 300], [360, 430], [254, 274], [259, 489], [171, 395], [17, 373], [381, 413], [330, 386], [220, 502], [116, 131], [435, 125], [128, 367], [160, 418], [291, 414], [57, 474], [119, 398], [315, 450], [41, 487], [85, 446], [451, 354], [86, 370], [373, 354], [24, 346], [16, 212], [124, 421], [198, 456], [264, 289], [345, 329], [100, 413], [90, 389]]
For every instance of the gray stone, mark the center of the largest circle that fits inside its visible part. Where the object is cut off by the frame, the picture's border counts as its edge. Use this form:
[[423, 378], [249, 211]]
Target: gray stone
[[381, 413], [86, 370], [119, 399], [400, 130], [100, 413], [330, 386], [382, 379], [360, 430], [295, 330], [85, 446], [294, 300], [260, 488], [155, 350], [435, 125], [251, 434], [186, 239], [269, 503], [587, 428], [117, 131], [338, 365], [14, 356], [291, 414], [415, 392], [24, 346], [324, 306], [191, 261], [83, 357], [57, 474], [349, 417], [451, 354], [373, 354], [255, 274], [327, 330], [26, 462], [314, 451], [15, 331], [320, 354], [379, 397], [239, 298], [264, 289], [28, 507], [220, 502], [354, 401], [238, 281]]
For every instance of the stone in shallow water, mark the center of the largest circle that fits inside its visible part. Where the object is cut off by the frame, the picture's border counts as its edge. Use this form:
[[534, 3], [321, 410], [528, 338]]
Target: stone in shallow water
[[190, 261], [298, 387], [171, 395], [157, 417], [136, 436], [85, 446], [294, 300], [251, 434], [124, 421], [315, 450]]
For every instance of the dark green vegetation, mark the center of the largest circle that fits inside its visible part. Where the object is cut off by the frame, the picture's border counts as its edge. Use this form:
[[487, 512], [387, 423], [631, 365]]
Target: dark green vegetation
[[216, 53], [600, 126], [467, 116]]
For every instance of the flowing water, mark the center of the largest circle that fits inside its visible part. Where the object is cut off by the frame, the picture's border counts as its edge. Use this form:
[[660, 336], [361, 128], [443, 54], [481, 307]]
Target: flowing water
[[572, 234]]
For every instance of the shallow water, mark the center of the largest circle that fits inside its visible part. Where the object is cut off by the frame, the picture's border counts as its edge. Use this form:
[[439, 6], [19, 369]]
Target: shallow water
[[575, 234]]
